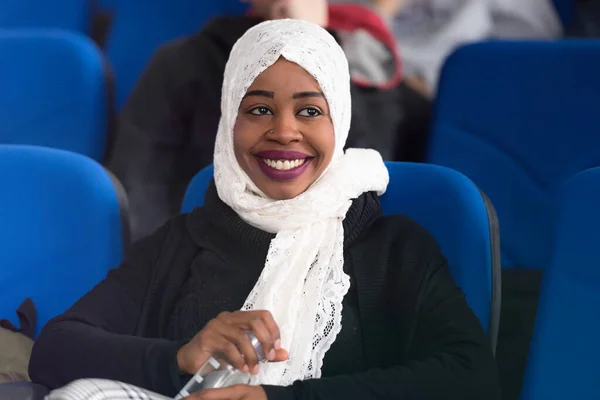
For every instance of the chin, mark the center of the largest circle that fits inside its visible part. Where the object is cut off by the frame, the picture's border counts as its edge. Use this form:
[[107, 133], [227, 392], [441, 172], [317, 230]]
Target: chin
[[281, 195], [278, 191]]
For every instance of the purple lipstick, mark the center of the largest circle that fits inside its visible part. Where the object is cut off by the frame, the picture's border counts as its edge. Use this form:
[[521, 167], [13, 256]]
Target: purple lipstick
[[283, 165]]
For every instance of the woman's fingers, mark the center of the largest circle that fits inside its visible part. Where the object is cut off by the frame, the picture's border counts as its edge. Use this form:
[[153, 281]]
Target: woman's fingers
[[224, 338], [228, 334], [267, 318], [280, 355], [234, 356], [265, 338], [263, 326], [239, 337], [246, 319], [234, 327]]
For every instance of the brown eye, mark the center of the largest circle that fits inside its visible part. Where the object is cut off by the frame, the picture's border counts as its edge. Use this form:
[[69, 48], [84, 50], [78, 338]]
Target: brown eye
[[260, 111], [310, 112]]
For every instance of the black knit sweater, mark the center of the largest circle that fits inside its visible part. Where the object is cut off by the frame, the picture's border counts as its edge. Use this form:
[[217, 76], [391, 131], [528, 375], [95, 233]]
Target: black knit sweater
[[416, 337]]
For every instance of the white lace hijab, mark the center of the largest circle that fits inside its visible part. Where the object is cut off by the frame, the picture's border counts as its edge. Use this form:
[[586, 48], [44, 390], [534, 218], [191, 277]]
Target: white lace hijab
[[303, 280]]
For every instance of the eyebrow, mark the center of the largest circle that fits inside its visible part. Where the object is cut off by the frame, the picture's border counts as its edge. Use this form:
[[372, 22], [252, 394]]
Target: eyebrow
[[263, 93], [302, 95]]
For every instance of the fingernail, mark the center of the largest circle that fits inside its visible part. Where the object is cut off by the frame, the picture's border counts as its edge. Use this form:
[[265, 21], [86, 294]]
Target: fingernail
[[255, 370], [246, 369], [278, 344], [271, 355]]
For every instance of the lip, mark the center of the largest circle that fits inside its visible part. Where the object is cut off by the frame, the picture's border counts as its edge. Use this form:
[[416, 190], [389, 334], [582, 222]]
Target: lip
[[283, 155], [282, 176]]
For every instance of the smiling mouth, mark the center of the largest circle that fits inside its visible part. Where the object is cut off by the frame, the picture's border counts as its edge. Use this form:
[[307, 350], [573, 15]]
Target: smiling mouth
[[283, 165], [283, 169]]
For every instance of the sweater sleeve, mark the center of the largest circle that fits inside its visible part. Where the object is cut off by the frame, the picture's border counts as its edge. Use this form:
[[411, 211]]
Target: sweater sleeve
[[449, 359], [95, 337]]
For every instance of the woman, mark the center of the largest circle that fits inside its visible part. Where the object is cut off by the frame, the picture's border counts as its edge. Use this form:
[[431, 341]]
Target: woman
[[166, 130], [346, 303]]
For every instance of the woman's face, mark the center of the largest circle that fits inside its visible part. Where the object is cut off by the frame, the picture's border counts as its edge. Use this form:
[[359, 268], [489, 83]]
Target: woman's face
[[283, 136]]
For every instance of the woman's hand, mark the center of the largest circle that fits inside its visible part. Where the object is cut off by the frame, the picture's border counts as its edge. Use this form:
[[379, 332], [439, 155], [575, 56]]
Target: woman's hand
[[228, 335], [314, 11], [239, 392]]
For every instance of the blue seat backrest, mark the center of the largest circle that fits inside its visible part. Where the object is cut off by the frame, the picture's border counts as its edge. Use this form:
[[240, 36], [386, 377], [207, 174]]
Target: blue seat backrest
[[140, 27], [74, 15], [61, 231], [452, 209], [518, 118], [564, 352], [54, 91]]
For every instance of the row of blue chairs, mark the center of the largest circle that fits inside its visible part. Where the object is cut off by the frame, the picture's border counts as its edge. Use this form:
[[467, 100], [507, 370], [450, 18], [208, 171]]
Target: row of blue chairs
[[138, 27], [517, 118], [57, 249], [498, 105]]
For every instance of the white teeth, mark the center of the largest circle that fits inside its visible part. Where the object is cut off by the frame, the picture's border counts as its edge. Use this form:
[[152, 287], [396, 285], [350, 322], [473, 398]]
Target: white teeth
[[283, 165]]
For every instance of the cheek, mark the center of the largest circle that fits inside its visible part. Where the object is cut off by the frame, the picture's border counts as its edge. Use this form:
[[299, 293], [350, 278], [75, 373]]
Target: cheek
[[240, 144], [331, 143], [326, 141], [246, 134]]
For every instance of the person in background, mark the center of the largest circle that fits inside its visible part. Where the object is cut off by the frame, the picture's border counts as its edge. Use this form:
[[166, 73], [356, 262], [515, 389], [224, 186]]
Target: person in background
[[427, 31], [167, 128], [290, 245]]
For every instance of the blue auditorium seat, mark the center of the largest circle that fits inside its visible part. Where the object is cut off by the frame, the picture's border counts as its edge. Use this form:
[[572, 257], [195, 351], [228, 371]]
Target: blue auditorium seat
[[139, 27], [64, 225], [519, 118], [55, 91], [74, 15], [453, 210], [564, 353]]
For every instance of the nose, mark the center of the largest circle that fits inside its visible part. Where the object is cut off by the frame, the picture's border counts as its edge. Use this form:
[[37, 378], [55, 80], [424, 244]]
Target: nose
[[285, 129]]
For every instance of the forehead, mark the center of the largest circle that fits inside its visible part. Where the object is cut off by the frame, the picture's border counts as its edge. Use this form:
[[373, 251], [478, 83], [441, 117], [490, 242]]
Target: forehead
[[285, 75]]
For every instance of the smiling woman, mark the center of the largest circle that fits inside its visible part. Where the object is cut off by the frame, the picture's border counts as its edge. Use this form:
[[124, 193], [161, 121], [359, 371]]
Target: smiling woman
[[272, 103], [291, 246], [283, 136], [166, 131]]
